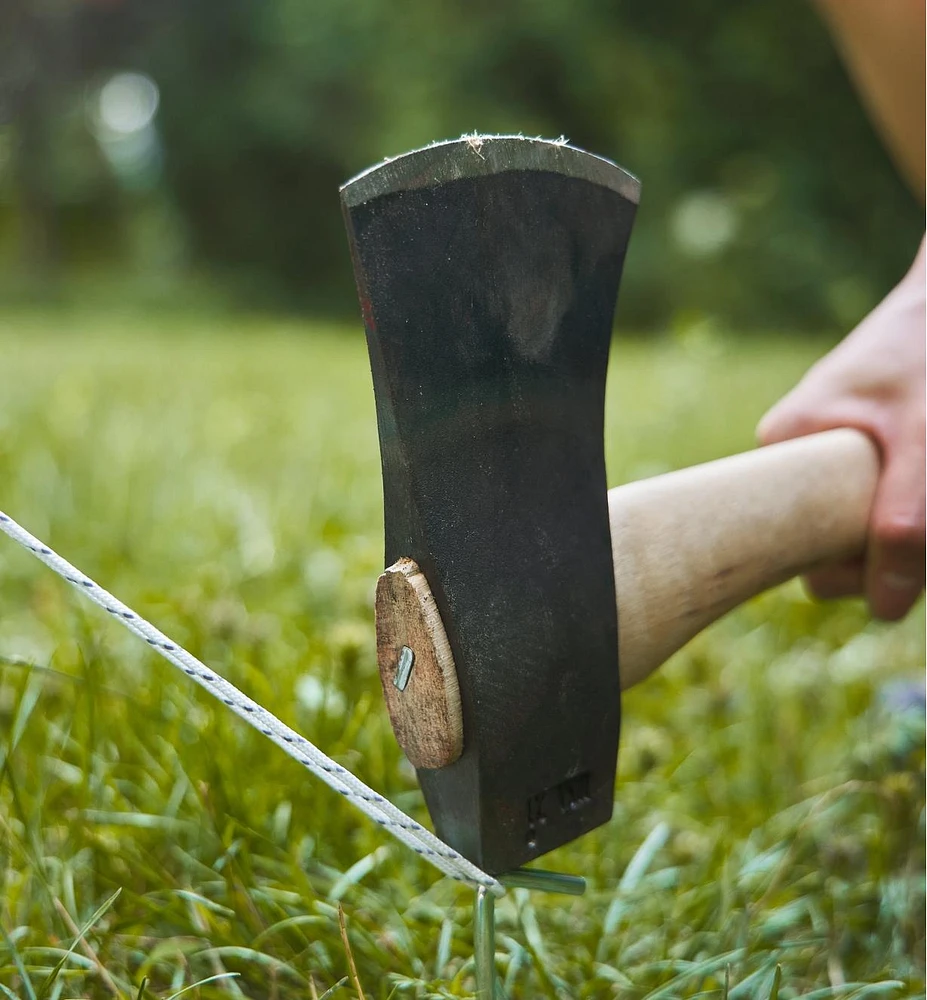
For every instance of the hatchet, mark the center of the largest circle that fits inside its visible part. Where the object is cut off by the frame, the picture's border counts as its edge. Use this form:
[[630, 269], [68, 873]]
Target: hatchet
[[487, 271]]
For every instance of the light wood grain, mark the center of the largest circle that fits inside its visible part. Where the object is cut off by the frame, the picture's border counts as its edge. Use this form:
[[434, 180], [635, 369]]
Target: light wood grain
[[691, 545], [426, 715]]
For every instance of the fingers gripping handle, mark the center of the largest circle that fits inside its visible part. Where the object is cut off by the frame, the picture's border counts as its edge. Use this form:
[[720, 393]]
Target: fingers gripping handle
[[691, 545]]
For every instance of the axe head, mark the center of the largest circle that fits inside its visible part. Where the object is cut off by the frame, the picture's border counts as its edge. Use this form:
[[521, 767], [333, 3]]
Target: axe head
[[487, 270]]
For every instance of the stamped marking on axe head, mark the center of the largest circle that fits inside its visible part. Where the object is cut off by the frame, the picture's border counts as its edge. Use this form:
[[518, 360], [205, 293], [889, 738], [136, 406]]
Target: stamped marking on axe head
[[487, 275]]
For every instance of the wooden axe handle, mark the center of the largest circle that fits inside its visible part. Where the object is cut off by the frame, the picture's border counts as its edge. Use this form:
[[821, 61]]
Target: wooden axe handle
[[691, 545]]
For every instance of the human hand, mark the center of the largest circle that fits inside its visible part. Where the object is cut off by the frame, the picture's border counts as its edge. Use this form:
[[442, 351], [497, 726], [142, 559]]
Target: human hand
[[874, 381]]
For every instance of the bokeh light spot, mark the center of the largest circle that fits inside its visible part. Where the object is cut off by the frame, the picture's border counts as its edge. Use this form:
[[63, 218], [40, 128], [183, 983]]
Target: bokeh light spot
[[128, 103], [704, 223]]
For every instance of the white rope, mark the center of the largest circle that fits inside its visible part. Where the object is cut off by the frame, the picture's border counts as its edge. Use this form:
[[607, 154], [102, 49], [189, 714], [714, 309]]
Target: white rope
[[374, 805]]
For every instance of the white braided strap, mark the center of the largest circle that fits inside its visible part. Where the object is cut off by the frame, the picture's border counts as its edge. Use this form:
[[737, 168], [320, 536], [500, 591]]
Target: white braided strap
[[364, 798]]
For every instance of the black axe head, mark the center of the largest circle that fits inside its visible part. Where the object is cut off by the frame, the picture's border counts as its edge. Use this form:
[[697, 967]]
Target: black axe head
[[488, 270]]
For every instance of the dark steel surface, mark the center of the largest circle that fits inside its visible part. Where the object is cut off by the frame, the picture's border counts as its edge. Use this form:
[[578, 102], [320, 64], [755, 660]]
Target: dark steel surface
[[488, 304]]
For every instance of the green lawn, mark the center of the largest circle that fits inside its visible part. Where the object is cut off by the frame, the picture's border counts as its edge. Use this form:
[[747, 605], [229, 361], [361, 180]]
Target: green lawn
[[223, 479]]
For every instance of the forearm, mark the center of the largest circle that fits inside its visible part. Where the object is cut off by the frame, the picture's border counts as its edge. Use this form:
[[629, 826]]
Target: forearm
[[882, 44]]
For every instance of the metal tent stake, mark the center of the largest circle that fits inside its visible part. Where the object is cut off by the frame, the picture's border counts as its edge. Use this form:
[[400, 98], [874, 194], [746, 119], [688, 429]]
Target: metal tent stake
[[484, 944], [484, 920]]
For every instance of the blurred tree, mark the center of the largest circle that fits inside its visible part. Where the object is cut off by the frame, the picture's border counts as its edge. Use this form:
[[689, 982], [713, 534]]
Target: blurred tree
[[33, 69], [767, 199], [54, 185]]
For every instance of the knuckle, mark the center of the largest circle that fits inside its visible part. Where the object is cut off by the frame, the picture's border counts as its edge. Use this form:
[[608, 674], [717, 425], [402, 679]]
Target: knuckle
[[900, 529]]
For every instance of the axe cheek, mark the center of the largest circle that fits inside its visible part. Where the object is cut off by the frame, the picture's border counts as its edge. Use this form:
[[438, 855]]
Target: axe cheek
[[488, 277]]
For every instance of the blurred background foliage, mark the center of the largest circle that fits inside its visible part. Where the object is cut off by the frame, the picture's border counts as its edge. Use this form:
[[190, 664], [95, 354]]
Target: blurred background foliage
[[195, 146]]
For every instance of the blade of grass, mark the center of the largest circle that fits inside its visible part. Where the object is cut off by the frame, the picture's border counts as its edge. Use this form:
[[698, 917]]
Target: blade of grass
[[202, 982], [332, 990], [444, 946], [756, 983], [667, 990], [18, 962], [777, 979], [635, 871], [105, 977], [357, 871], [858, 990], [347, 950], [27, 702], [79, 937], [877, 989]]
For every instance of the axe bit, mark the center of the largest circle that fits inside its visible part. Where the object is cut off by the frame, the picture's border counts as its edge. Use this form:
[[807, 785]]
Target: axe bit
[[487, 271]]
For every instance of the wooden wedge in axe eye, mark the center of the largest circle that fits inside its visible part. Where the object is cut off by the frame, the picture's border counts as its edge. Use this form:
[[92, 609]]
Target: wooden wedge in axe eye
[[519, 590]]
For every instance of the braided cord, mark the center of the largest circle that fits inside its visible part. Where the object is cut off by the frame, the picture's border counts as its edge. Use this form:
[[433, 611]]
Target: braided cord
[[361, 796]]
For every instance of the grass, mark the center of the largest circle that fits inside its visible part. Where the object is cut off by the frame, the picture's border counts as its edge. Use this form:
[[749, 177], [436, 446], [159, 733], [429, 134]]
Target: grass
[[770, 805]]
